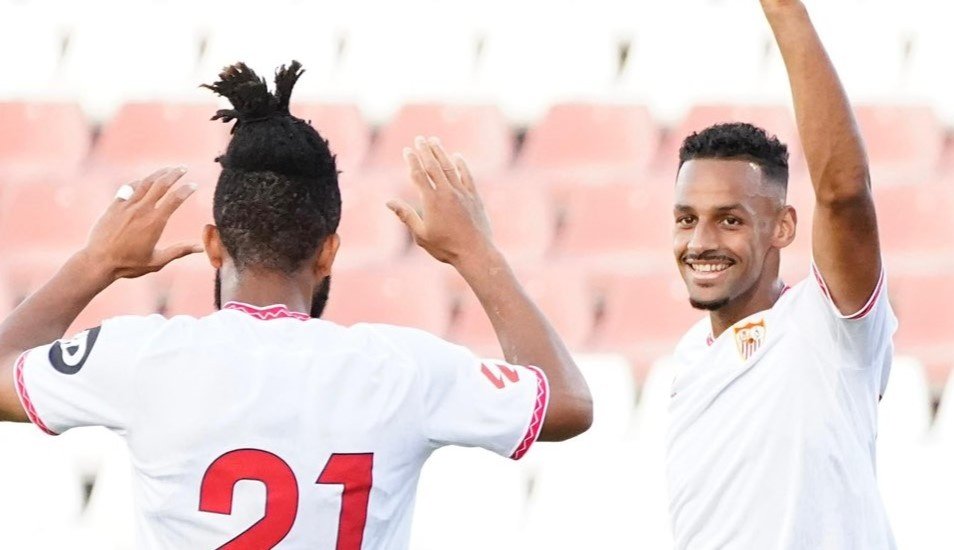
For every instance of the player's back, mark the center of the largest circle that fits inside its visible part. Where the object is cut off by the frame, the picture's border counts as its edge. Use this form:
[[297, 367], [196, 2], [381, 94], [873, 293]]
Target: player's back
[[265, 428], [306, 407]]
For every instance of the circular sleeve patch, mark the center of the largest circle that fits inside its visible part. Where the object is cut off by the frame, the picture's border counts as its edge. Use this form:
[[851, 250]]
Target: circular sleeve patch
[[69, 356]]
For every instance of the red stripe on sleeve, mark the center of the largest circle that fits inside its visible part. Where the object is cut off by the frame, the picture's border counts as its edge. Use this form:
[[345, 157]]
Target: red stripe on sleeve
[[539, 412], [24, 396]]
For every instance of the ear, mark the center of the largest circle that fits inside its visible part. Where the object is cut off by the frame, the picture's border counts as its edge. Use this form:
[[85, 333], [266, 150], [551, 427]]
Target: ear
[[785, 227], [326, 256], [214, 248]]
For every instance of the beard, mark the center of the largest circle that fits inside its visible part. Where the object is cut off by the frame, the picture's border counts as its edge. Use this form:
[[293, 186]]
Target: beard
[[711, 305], [319, 299]]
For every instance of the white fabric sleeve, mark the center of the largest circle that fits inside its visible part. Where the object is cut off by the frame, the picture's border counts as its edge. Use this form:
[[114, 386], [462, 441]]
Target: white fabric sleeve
[[85, 380], [866, 335], [472, 402]]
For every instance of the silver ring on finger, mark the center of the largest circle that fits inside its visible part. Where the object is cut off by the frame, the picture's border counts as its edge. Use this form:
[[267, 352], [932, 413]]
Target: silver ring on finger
[[125, 192]]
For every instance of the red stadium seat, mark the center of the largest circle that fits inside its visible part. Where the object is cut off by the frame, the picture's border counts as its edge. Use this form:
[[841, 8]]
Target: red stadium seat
[[643, 314], [904, 143], [413, 296], [617, 221], [42, 138], [522, 218], [346, 130], [370, 233], [48, 216], [908, 222], [561, 293], [145, 136], [589, 138], [478, 132], [923, 304]]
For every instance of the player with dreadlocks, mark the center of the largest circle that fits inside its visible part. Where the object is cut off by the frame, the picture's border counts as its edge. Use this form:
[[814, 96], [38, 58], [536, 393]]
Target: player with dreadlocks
[[335, 422]]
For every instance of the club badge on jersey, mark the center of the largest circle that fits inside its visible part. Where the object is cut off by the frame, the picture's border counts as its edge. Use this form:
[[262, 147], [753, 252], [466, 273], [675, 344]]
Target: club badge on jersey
[[749, 338]]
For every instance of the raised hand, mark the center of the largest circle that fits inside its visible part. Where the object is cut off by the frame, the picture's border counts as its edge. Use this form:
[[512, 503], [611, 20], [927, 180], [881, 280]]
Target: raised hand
[[452, 223], [123, 241]]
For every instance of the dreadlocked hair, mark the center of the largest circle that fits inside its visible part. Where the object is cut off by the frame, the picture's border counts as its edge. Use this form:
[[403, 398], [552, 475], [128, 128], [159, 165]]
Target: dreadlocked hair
[[277, 197]]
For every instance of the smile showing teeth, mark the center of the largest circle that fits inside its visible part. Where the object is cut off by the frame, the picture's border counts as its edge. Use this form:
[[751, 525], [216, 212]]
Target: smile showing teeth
[[708, 268]]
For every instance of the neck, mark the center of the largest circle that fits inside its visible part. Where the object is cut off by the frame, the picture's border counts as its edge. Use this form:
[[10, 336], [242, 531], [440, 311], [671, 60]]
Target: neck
[[264, 288], [760, 298]]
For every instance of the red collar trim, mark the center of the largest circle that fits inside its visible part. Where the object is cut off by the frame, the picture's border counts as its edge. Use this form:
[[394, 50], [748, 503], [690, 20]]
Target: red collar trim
[[279, 311], [710, 340]]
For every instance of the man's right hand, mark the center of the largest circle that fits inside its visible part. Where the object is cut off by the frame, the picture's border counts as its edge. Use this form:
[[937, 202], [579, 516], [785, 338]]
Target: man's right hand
[[452, 224]]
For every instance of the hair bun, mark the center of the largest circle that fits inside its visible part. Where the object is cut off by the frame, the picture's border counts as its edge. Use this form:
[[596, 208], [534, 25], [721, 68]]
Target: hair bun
[[249, 95]]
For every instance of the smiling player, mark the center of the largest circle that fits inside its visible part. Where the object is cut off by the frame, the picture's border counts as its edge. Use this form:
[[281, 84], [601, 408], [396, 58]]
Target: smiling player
[[774, 407]]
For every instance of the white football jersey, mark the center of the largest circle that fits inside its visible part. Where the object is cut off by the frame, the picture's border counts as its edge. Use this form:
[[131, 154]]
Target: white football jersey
[[260, 427], [773, 426]]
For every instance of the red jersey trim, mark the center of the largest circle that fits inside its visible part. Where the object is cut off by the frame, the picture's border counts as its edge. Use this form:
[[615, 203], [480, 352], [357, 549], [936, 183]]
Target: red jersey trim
[[539, 413], [279, 311], [865, 310], [25, 396]]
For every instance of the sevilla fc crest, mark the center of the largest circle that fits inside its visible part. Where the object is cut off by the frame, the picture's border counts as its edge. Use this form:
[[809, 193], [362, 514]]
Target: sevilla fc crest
[[749, 338]]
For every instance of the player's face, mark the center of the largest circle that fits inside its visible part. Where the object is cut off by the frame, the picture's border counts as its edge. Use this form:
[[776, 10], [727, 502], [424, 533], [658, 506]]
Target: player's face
[[725, 217]]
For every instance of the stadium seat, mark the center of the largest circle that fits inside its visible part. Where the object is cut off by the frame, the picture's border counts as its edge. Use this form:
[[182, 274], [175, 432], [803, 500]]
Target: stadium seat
[[267, 39], [413, 296], [522, 217], [48, 219], [41, 138], [525, 67], [115, 59], [904, 143], [587, 139], [676, 61], [479, 132], [124, 297], [343, 125], [870, 61], [923, 303], [370, 233], [425, 58], [492, 493], [561, 293], [143, 137], [645, 314], [629, 221], [907, 223]]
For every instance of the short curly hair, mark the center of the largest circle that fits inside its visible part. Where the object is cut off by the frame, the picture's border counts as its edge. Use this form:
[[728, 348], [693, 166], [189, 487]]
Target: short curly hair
[[277, 197], [739, 140]]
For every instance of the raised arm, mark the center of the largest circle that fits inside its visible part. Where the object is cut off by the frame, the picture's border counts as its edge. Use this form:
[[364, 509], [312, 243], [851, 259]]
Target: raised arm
[[121, 245], [844, 229], [454, 229]]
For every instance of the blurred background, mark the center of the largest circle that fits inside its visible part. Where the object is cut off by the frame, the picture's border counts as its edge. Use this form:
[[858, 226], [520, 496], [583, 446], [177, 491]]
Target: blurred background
[[571, 114]]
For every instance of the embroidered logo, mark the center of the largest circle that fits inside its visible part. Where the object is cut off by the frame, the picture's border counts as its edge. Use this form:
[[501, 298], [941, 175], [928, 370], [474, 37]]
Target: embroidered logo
[[749, 338]]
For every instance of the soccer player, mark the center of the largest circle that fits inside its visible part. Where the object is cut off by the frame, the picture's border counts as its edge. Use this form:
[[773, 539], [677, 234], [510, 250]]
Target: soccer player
[[335, 422], [774, 404]]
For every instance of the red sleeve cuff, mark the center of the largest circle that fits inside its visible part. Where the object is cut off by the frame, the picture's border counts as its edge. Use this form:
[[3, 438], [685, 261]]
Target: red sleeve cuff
[[24, 395], [865, 310], [539, 413]]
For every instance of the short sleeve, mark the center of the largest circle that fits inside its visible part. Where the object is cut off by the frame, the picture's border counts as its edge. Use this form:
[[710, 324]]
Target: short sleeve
[[476, 403], [85, 380], [866, 335]]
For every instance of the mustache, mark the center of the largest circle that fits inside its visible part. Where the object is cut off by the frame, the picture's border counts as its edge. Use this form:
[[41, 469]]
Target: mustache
[[707, 257]]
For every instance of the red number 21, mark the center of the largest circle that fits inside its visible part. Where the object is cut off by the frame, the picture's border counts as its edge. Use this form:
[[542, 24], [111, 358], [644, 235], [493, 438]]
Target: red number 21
[[353, 471]]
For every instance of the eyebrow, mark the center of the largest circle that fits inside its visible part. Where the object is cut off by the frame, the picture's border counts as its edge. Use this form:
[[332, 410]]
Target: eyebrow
[[718, 209]]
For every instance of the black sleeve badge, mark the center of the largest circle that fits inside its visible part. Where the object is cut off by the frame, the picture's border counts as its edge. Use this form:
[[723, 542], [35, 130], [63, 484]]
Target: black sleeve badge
[[69, 356]]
